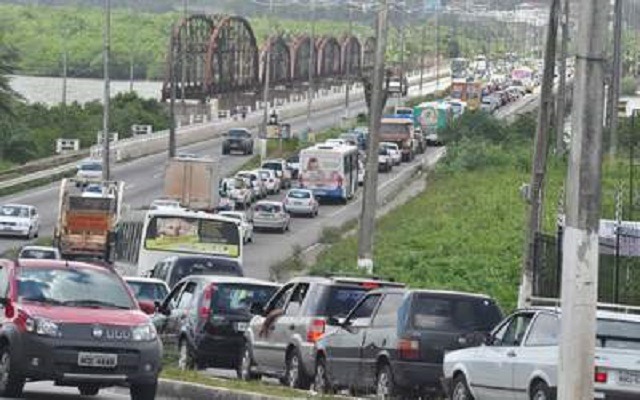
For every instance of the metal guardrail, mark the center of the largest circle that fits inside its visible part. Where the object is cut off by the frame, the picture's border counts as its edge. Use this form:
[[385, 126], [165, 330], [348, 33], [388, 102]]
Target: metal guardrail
[[292, 109]]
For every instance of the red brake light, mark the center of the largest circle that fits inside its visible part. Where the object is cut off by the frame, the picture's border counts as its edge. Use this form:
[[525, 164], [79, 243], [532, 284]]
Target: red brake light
[[601, 376], [370, 285], [409, 349], [205, 308], [316, 330]]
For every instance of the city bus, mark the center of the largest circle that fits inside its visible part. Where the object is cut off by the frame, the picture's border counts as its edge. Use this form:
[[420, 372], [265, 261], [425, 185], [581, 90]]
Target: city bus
[[145, 238], [331, 172]]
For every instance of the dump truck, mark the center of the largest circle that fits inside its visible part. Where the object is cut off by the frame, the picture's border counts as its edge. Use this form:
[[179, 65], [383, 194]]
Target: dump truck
[[399, 130], [192, 182], [87, 219]]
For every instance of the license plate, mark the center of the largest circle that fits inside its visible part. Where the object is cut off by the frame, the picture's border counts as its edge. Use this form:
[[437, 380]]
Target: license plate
[[241, 326], [97, 360], [297, 203], [629, 378]]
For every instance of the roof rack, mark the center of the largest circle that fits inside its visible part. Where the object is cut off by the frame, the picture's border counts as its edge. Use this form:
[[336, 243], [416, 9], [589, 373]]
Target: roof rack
[[553, 302]]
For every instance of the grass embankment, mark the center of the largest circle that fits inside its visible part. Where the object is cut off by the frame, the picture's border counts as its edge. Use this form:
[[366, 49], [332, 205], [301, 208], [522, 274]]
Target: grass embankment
[[466, 231]]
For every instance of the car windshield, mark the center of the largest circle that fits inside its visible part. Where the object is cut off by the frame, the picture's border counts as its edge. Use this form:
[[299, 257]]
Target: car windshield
[[382, 152], [90, 167], [341, 299], [148, 291], [265, 174], [272, 165], [294, 159], [454, 313], [237, 298], [268, 208], [39, 254], [237, 133], [299, 194], [204, 266], [618, 334], [14, 211], [73, 287]]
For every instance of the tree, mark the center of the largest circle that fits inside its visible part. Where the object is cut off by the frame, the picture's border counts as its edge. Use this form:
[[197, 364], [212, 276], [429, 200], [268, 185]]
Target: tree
[[8, 59]]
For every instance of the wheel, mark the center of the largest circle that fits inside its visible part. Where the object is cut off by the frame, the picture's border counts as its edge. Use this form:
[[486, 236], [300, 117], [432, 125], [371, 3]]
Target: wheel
[[385, 388], [321, 383], [89, 390], [294, 374], [11, 384], [143, 391], [243, 369], [250, 239], [460, 389], [541, 391], [185, 359], [37, 234]]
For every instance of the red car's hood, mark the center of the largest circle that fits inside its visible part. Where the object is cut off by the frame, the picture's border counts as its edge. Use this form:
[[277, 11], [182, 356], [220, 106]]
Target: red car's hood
[[75, 315]]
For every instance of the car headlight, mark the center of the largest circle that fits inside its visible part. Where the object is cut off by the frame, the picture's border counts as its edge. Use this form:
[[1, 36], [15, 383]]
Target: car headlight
[[23, 224], [42, 327], [144, 333]]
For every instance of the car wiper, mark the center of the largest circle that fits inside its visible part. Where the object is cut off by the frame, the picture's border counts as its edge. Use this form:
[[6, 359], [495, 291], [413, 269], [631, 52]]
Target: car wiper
[[42, 300], [94, 303]]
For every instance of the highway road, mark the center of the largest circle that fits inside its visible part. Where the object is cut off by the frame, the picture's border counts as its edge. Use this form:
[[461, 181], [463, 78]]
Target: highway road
[[45, 391]]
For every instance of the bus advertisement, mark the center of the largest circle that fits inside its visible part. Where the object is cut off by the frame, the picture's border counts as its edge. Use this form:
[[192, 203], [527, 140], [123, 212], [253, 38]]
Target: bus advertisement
[[330, 171]]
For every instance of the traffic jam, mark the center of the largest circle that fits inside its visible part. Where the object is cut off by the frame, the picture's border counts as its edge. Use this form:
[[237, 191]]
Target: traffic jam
[[120, 290]]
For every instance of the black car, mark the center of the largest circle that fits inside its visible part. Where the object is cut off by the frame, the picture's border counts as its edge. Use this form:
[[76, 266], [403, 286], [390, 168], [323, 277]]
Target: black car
[[393, 342], [239, 139], [206, 316], [174, 268]]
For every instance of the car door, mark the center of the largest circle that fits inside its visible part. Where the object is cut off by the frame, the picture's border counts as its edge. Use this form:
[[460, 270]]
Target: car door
[[263, 326], [380, 338], [178, 316], [538, 355], [490, 375], [290, 328], [344, 348], [161, 318]]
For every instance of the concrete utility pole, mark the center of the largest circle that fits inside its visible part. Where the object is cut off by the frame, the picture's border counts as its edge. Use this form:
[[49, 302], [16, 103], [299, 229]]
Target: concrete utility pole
[[172, 97], [107, 91], [312, 64], [424, 38], [64, 75], [369, 200], [348, 65], [562, 85], [540, 156], [616, 71], [580, 242]]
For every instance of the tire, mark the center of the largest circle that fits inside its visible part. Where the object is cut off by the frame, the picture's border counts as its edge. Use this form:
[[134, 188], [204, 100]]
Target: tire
[[295, 376], [541, 391], [185, 359], [385, 388], [89, 390], [321, 383], [11, 384], [243, 369], [143, 391], [460, 389]]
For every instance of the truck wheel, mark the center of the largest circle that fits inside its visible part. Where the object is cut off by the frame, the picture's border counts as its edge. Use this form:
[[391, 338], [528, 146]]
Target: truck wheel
[[144, 391], [11, 384]]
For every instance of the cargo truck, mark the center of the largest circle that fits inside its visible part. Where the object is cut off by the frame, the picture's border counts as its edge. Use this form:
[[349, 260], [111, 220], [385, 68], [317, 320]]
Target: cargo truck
[[191, 181], [87, 219]]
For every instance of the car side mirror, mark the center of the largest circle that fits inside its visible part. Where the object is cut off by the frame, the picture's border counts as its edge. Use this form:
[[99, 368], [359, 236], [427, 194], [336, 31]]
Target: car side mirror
[[7, 304], [161, 309], [489, 340], [147, 307]]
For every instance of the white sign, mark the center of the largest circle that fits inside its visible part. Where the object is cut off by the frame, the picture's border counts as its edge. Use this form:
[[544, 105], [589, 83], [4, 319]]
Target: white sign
[[141, 129], [113, 136], [67, 145]]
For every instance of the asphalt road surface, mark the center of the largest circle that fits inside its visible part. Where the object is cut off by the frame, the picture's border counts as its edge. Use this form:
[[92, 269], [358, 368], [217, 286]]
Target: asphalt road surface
[[46, 391]]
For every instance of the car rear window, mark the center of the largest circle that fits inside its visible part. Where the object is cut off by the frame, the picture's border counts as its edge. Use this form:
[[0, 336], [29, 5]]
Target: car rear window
[[341, 299], [197, 266], [454, 313], [38, 254], [618, 334], [268, 208], [148, 291], [299, 194], [273, 166], [237, 298]]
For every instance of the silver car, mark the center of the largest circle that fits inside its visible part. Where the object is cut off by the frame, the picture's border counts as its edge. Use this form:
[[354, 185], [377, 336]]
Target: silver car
[[301, 201], [271, 215]]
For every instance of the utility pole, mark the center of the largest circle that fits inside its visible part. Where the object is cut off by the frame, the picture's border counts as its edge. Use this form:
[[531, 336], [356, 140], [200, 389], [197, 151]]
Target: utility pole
[[348, 64], [312, 64], [183, 56], [580, 241], [614, 84], [107, 91], [540, 156], [64, 75], [423, 35], [369, 200], [172, 97], [562, 85], [267, 77], [437, 48]]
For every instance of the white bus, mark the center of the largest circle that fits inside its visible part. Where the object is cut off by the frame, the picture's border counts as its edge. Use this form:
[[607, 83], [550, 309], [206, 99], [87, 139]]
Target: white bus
[[330, 171], [144, 239]]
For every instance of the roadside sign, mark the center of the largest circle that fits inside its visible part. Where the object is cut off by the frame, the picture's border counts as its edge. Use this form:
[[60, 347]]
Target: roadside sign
[[67, 145], [141, 129]]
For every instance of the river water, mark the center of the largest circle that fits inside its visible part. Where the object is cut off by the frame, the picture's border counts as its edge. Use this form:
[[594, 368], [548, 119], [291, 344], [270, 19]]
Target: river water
[[48, 90]]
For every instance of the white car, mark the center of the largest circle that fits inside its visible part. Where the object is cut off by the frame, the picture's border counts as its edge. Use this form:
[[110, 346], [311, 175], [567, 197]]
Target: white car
[[89, 171], [39, 253], [270, 180], [279, 165], [271, 215], [165, 204], [246, 227], [257, 185], [301, 201], [19, 220], [385, 163], [520, 359], [394, 151], [362, 171], [238, 190]]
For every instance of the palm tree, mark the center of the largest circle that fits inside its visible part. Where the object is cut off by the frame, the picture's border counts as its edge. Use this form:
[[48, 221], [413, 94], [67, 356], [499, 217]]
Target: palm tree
[[8, 60]]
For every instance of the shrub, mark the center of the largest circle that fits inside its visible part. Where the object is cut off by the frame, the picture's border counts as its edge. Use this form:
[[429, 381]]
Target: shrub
[[628, 86]]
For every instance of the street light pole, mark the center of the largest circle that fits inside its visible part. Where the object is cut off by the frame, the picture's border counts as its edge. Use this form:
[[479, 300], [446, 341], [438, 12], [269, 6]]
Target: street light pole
[[267, 72], [172, 97], [107, 90], [369, 200], [348, 64]]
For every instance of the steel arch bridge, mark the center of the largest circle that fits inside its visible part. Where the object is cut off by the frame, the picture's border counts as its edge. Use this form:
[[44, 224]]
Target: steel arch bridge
[[214, 55]]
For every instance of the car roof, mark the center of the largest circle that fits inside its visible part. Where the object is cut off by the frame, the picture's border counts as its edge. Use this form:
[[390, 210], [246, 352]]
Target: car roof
[[452, 293], [42, 248], [269, 202], [17, 205], [348, 280], [202, 257], [600, 314], [141, 279], [61, 264], [229, 279], [274, 160]]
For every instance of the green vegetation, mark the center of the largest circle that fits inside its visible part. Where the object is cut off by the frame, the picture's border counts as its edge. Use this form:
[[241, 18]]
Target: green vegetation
[[628, 86]]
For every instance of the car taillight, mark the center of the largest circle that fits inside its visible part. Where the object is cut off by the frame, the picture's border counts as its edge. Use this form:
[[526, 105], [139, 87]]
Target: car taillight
[[409, 349], [205, 308], [370, 285], [316, 330], [601, 376]]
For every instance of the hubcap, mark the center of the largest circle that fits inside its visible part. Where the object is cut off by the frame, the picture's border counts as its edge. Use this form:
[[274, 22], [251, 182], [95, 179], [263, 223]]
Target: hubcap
[[293, 371], [4, 369], [460, 392], [320, 381], [539, 395], [182, 360], [383, 385], [246, 365]]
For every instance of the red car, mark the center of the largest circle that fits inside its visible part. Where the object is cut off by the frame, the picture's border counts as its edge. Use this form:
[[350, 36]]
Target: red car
[[75, 324]]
